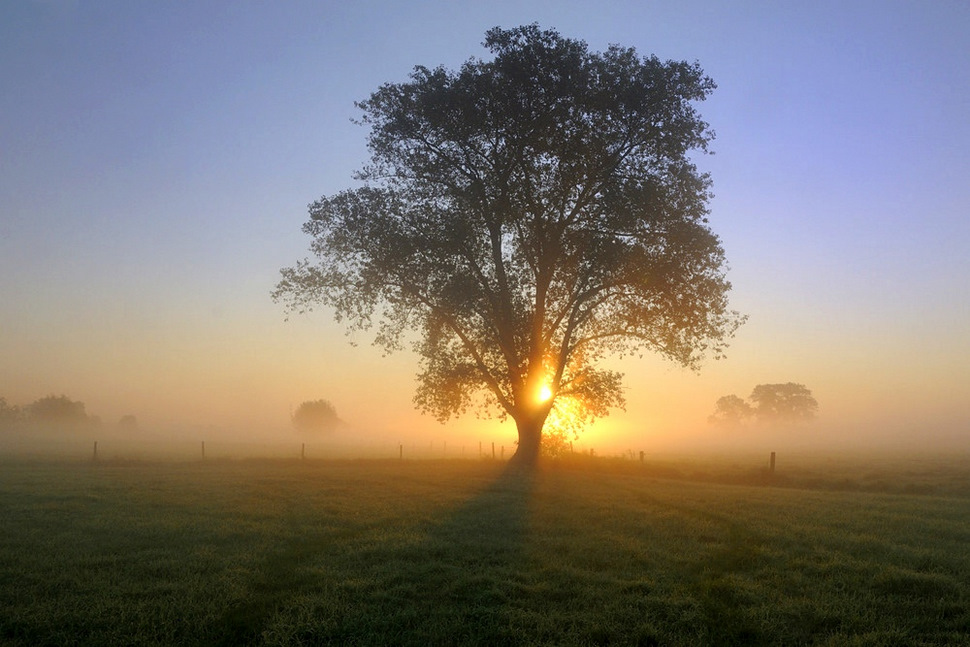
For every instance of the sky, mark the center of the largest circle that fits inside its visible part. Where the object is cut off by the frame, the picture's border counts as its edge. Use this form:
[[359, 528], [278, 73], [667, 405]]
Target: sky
[[156, 161]]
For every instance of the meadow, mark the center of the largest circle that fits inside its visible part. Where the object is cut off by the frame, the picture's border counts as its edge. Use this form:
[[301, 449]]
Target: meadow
[[452, 552]]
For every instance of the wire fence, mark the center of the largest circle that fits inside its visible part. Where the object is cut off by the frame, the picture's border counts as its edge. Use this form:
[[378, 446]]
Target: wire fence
[[112, 449]]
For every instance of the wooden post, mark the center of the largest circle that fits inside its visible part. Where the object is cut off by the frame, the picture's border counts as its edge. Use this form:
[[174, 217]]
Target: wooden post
[[444, 449], [479, 449], [400, 451], [503, 452], [771, 463], [95, 457], [302, 451], [493, 450], [203, 450], [641, 458]]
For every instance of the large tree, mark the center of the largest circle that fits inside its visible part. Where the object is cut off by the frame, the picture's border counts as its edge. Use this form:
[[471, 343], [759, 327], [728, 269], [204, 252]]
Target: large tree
[[525, 216]]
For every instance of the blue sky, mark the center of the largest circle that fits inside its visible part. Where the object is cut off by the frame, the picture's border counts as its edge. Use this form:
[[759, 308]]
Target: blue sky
[[156, 160]]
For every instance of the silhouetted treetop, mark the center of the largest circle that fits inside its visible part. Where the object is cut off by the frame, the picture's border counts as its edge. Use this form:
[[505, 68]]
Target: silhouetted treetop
[[316, 416], [730, 410], [57, 409], [787, 402], [527, 215], [769, 403]]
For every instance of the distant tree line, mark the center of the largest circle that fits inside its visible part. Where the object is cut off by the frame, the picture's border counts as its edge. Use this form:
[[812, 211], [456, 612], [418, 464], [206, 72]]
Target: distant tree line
[[52, 411], [61, 412], [768, 403]]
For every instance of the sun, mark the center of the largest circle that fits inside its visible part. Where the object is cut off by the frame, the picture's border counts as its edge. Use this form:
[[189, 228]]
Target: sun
[[545, 392]]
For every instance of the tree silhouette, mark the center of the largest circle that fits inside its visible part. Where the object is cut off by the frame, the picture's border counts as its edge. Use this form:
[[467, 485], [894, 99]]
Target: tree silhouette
[[527, 216], [9, 414], [730, 411], [783, 403], [316, 416], [57, 410], [769, 403]]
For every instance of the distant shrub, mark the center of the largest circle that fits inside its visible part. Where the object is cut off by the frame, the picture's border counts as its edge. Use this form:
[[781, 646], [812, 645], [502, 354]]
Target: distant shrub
[[316, 416]]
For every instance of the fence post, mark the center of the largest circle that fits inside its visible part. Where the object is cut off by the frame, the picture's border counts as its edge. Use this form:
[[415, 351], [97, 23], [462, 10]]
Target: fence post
[[493, 450], [302, 451], [771, 463], [503, 452], [641, 458], [400, 451], [95, 457], [203, 450]]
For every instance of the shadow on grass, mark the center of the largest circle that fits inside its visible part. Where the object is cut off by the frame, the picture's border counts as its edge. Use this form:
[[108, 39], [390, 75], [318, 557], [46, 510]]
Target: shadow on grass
[[440, 582]]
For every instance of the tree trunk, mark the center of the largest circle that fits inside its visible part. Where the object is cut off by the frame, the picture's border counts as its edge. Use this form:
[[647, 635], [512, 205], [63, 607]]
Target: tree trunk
[[530, 436]]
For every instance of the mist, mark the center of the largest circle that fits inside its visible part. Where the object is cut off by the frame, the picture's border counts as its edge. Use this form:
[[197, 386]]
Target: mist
[[369, 430], [143, 231]]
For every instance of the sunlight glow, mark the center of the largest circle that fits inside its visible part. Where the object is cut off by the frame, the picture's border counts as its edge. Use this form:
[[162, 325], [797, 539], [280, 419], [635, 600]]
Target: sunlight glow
[[545, 393], [565, 418]]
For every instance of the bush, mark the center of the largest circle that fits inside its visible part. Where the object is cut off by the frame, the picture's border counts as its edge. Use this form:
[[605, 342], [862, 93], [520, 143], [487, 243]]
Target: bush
[[316, 416]]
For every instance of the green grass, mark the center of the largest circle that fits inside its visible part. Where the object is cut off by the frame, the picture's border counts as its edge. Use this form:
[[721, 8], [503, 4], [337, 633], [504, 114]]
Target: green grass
[[465, 553]]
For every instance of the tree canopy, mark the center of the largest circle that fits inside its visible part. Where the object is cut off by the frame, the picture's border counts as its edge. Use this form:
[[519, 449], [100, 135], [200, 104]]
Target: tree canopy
[[316, 416], [521, 219], [787, 402], [57, 410], [52, 412], [768, 403], [731, 410], [9, 414]]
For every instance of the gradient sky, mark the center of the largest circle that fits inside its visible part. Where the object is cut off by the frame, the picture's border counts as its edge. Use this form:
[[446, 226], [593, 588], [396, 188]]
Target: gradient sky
[[156, 160]]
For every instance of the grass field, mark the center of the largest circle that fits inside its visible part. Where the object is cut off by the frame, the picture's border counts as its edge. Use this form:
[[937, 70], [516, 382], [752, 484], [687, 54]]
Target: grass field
[[468, 553]]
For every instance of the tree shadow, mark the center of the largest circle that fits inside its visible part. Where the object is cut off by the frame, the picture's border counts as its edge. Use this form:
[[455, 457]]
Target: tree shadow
[[457, 584], [452, 579]]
